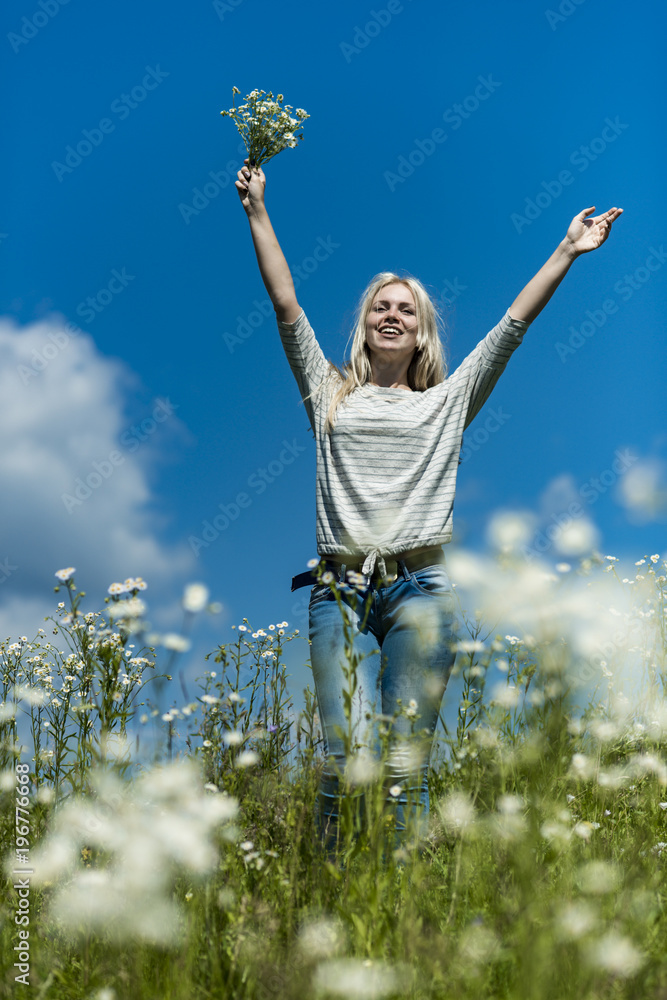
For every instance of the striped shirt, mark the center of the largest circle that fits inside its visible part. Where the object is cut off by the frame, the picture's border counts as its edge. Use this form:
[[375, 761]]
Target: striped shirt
[[386, 476]]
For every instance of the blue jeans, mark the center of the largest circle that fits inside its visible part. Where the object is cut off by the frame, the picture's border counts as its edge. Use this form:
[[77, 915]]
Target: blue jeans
[[401, 637]]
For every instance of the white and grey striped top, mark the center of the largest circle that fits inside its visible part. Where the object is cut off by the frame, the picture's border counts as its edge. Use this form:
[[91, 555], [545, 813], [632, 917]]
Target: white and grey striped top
[[386, 476]]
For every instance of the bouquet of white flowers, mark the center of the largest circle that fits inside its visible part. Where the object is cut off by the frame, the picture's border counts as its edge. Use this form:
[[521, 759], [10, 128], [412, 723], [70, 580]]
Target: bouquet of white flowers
[[265, 126]]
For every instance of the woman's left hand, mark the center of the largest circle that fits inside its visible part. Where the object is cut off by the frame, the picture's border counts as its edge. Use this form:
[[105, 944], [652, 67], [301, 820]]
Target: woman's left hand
[[585, 234]]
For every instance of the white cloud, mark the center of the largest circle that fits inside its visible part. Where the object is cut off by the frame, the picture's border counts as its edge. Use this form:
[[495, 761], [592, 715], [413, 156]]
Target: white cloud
[[64, 431]]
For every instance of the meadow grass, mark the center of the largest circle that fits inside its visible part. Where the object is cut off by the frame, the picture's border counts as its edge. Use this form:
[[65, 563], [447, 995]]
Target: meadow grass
[[195, 870]]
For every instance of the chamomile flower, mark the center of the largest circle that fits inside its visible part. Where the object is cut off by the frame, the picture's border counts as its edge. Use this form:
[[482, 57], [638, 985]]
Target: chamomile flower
[[195, 597], [265, 126]]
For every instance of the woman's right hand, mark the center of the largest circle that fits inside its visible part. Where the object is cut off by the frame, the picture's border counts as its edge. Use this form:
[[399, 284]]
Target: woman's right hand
[[250, 186]]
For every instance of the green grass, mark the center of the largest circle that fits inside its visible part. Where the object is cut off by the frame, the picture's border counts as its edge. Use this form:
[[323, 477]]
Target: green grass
[[199, 873]]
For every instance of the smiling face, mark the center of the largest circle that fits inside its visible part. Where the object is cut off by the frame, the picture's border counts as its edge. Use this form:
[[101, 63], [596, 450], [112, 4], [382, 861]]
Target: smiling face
[[391, 324]]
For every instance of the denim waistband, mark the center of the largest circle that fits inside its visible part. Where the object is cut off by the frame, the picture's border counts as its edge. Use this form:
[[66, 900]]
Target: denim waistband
[[408, 563]]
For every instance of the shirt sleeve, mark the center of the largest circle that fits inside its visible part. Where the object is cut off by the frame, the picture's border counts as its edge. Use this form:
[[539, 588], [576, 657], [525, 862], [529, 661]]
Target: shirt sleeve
[[306, 359], [486, 363]]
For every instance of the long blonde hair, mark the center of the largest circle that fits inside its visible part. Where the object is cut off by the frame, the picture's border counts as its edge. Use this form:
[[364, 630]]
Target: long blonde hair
[[429, 364]]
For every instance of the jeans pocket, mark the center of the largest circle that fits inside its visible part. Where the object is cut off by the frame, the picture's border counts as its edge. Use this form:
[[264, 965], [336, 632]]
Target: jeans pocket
[[433, 581]]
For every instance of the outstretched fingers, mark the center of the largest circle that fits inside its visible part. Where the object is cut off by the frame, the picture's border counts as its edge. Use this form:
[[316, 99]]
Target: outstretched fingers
[[609, 216]]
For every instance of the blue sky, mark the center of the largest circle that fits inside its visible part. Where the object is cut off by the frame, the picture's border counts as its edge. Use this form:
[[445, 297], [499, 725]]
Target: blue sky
[[176, 389]]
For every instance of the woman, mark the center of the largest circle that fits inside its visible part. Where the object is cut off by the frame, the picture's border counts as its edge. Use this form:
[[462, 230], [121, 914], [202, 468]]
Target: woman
[[388, 432]]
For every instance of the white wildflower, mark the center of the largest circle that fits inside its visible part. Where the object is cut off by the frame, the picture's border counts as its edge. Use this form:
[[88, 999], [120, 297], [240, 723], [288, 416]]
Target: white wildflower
[[133, 607], [31, 695], [599, 877], [577, 537], [7, 781], [195, 597], [178, 643], [357, 979], [603, 730], [470, 646], [150, 830], [506, 695], [509, 531], [479, 946], [615, 954], [582, 766], [584, 829], [321, 938], [232, 738], [457, 813], [362, 768], [555, 831], [574, 920]]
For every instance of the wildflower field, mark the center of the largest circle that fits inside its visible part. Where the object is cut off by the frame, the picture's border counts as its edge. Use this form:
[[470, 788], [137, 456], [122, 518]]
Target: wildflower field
[[160, 846]]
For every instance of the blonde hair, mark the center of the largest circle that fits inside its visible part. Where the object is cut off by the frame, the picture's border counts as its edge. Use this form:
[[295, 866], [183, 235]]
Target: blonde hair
[[428, 366]]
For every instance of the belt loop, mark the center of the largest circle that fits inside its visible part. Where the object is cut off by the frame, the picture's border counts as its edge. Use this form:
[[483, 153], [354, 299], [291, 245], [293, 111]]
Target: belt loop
[[406, 572]]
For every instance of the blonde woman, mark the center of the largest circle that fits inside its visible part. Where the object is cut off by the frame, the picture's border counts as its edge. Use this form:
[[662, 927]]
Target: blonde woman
[[388, 430]]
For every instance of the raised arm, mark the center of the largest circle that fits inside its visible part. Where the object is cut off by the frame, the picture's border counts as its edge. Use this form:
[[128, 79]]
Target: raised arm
[[272, 264], [582, 236]]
